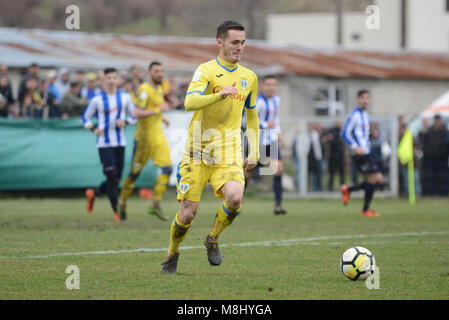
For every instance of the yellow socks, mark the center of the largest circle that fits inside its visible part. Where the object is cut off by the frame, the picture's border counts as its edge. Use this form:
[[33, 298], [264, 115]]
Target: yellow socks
[[161, 186], [127, 189], [178, 233], [223, 219]]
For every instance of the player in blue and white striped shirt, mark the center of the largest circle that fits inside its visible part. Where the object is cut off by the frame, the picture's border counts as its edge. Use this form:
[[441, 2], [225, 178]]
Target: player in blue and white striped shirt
[[113, 108], [356, 133], [267, 105]]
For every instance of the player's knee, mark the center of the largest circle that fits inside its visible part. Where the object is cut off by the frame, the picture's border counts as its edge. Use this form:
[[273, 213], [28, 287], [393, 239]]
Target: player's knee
[[167, 170], [234, 200], [187, 212], [110, 172]]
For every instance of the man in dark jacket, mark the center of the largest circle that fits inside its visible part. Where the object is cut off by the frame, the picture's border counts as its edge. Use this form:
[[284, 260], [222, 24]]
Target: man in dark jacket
[[336, 155], [436, 152]]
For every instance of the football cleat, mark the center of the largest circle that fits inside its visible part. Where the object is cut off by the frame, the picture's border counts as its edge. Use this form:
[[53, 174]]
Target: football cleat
[[116, 217], [370, 213], [170, 263], [157, 211], [213, 252], [344, 194], [279, 210], [90, 195]]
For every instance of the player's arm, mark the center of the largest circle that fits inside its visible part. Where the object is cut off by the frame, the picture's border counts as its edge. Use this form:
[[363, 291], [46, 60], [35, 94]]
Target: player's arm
[[143, 99], [347, 134], [196, 99], [252, 128], [261, 111], [88, 115], [127, 117]]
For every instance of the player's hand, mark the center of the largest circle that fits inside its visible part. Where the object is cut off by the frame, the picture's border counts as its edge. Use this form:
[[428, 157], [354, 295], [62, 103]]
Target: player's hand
[[98, 132], [271, 124], [229, 90], [89, 126], [247, 166], [166, 122], [121, 124], [359, 151]]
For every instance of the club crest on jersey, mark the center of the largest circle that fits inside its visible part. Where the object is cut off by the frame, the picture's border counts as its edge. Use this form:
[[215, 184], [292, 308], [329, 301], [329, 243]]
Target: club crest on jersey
[[244, 84], [183, 187]]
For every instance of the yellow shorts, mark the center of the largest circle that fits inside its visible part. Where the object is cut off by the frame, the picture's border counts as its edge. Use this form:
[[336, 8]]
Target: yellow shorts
[[158, 151], [192, 178]]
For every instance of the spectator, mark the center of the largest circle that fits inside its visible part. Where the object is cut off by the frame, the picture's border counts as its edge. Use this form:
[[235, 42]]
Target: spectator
[[80, 77], [376, 146], [128, 87], [315, 155], [51, 104], [6, 95], [123, 78], [3, 69], [33, 72], [100, 79], [32, 104], [91, 89], [300, 144], [181, 95], [51, 85], [3, 107], [336, 155], [72, 104], [63, 82], [422, 164], [436, 151], [137, 76]]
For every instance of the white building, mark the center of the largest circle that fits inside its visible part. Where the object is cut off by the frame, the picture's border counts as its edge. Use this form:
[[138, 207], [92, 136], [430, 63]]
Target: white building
[[419, 24]]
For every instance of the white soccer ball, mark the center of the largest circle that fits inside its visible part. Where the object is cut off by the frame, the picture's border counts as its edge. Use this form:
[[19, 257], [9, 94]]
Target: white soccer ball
[[357, 263]]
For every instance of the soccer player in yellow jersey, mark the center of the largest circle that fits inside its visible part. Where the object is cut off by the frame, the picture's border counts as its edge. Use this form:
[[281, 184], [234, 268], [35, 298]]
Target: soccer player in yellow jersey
[[150, 141], [218, 92]]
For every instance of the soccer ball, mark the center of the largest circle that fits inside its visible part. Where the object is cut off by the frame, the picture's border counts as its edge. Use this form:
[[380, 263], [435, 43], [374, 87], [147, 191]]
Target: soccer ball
[[357, 263]]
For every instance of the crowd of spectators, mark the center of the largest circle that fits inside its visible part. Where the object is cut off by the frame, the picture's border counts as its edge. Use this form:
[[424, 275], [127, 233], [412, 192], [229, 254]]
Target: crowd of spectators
[[66, 93]]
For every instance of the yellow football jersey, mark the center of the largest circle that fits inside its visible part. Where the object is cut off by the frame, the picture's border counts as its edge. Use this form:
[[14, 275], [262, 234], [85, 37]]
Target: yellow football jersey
[[149, 98], [215, 131]]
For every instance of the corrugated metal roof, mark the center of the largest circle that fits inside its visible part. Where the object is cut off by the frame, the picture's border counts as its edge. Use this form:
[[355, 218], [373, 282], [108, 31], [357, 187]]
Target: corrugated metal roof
[[20, 47]]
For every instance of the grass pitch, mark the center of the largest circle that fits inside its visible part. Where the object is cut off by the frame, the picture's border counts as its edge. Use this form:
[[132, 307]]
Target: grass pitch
[[264, 256]]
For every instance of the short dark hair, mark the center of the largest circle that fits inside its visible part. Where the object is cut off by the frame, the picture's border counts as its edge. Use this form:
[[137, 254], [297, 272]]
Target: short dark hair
[[222, 29], [362, 92], [269, 76], [74, 84], [154, 63], [109, 70]]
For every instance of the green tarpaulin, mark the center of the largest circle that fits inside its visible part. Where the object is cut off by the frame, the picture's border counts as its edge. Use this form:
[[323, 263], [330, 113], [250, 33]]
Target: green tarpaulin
[[50, 154]]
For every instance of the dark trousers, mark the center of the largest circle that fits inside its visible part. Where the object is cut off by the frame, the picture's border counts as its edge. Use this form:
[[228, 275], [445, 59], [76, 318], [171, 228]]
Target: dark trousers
[[336, 166], [437, 174], [112, 160]]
